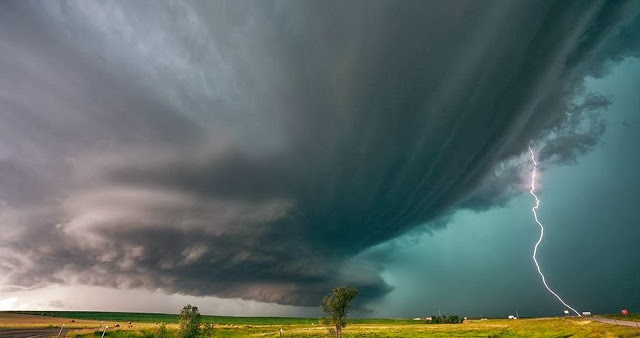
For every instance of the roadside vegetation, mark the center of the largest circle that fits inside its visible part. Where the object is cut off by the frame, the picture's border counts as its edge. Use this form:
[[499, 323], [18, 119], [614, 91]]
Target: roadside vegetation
[[618, 316]]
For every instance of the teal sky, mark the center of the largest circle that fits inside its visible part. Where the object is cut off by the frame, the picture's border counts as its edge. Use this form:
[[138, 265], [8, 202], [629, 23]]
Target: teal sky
[[591, 246]]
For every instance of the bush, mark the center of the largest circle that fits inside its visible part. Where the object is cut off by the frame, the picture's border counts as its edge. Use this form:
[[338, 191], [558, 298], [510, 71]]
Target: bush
[[161, 331], [208, 330]]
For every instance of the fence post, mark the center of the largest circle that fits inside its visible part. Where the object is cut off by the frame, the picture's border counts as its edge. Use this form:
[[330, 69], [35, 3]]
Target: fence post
[[105, 330]]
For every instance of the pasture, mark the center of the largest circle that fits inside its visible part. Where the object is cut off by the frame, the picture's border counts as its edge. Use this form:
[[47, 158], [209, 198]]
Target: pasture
[[90, 324]]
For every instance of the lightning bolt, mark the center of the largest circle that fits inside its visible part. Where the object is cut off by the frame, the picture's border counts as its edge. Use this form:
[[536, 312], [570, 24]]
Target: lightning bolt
[[535, 216]]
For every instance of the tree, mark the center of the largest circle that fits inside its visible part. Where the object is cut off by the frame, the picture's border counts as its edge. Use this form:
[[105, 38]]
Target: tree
[[189, 321], [337, 305]]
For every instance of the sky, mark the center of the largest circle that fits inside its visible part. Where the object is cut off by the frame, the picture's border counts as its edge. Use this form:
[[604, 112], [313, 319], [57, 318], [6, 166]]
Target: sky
[[248, 157]]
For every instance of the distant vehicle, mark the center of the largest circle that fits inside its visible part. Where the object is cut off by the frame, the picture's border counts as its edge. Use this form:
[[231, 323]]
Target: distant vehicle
[[512, 317], [586, 313]]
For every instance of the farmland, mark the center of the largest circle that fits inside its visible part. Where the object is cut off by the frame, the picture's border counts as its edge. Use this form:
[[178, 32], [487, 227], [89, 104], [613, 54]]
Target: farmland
[[89, 324]]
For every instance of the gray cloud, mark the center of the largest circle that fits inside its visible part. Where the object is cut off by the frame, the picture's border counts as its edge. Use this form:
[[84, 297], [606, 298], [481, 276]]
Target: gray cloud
[[580, 131], [252, 150]]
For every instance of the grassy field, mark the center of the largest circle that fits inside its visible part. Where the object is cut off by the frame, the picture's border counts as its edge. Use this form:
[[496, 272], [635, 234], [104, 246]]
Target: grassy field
[[631, 316], [88, 324]]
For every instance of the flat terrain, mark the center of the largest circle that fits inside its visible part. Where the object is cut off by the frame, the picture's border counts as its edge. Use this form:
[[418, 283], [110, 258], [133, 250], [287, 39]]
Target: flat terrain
[[89, 324], [618, 322], [630, 317], [29, 333]]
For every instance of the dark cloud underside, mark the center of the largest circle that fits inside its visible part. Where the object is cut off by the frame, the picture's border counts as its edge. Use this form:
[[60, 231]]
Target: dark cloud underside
[[251, 150]]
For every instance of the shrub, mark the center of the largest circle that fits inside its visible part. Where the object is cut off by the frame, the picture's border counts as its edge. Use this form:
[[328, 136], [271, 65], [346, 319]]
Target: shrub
[[161, 331]]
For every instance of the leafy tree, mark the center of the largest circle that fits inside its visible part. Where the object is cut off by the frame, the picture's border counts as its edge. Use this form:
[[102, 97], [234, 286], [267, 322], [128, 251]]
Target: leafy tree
[[337, 305], [161, 331], [189, 321]]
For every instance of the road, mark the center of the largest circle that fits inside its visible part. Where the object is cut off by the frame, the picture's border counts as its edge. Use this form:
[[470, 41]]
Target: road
[[29, 333], [617, 322]]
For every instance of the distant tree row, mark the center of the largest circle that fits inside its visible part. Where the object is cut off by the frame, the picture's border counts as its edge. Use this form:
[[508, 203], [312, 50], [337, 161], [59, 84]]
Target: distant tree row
[[453, 319]]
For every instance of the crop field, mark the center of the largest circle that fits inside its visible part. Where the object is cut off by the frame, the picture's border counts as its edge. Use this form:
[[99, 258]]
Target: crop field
[[91, 324]]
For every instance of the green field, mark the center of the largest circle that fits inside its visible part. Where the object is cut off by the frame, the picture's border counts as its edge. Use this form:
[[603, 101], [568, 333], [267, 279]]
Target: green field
[[222, 320], [169, 318], [144, 325]]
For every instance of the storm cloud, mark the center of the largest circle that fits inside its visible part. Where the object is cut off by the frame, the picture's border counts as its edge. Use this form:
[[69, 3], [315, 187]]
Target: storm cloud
[[252, 149]]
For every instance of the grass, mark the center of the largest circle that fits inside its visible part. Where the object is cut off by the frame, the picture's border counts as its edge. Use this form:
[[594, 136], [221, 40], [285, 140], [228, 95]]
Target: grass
[[619, 316], [144, 326]]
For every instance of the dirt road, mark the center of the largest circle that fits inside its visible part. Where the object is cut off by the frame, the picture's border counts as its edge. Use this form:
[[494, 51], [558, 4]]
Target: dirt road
[[29, 333], [617, 322]]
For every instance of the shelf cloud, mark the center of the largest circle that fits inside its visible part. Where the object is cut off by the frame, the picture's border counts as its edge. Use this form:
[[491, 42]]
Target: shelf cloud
[[252, 149]]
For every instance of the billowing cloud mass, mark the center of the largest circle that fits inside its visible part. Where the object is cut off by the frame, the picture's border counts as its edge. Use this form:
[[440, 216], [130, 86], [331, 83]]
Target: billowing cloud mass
[[253, 149]]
